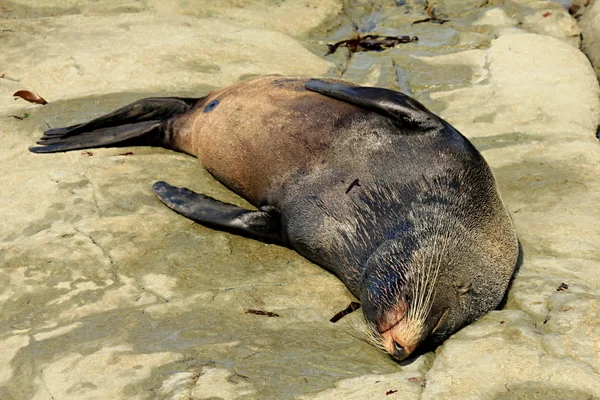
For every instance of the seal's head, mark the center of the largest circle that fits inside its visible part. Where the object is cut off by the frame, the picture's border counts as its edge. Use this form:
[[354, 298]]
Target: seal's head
[[425, 291]]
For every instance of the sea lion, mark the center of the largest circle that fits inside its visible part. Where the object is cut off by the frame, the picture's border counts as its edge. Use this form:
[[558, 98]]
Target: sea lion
[[364, 181]]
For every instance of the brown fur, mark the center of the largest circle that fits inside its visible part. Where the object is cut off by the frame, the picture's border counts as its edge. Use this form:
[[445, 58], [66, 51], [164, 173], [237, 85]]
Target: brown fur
[[237, 146]]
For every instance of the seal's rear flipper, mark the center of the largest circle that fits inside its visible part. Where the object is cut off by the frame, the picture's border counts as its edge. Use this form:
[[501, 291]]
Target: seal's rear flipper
[[263, 224], [142, 122], [409, 115], [118, 135]]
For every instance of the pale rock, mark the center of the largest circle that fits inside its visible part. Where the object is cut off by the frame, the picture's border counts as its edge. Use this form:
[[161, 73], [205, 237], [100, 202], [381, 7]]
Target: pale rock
[[105, 293]]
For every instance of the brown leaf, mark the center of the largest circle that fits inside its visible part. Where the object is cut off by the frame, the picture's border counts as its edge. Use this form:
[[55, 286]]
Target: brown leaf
[[561, 287], [353, 306], [261, 312], [355, 182], [30, 97], [573, 9], [390, 392], [422, 382], [430, 11], [126, 154]]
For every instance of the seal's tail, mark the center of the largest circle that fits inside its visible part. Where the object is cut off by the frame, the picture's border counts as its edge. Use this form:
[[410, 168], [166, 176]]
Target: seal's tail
[[143, 122]]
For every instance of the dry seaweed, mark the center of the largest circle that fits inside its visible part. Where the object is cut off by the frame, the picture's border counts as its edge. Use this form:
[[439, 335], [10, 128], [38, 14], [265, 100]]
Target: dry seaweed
[[261, 312], [371, 43]]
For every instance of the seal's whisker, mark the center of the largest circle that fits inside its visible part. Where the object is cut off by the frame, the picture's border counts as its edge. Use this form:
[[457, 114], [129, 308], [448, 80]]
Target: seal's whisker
[[433, 275], [366, 333]]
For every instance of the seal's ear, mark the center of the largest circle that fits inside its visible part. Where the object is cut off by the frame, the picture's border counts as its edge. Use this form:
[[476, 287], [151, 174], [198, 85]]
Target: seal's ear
[[263, 224], [410, 115]]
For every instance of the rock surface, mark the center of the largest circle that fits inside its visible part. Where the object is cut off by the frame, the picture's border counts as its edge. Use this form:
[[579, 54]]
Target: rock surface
[[590, 30], [107, 294]]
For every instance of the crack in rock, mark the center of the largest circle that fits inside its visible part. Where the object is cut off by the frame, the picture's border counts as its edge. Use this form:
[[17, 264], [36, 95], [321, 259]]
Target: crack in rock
[[45, 384], [112, 263], [104, 252], [94, 195], [152, 292]]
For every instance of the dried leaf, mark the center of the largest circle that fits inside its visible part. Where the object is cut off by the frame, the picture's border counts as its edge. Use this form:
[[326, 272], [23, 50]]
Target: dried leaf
[[390, 392], [573, 8], [261, 312], [126, 154], [563, 286], [430, 11], [30, 97], [235, 375], [433, 17], [547, 14], [354, 183], [353, 306], [422, 382]]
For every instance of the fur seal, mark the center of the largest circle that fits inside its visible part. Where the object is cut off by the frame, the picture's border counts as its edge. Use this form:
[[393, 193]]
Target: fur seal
[[364, 181]]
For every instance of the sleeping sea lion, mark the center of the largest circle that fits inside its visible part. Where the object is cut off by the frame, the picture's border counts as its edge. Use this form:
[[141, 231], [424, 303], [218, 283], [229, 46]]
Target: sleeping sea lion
[[364, 181]]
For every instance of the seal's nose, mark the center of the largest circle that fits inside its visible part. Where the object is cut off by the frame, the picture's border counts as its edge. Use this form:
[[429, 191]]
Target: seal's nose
[[399, 351]]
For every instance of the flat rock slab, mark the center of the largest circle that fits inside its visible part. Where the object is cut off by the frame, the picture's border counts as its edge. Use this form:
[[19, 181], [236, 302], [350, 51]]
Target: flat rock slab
[[590, 31], [107, 294]]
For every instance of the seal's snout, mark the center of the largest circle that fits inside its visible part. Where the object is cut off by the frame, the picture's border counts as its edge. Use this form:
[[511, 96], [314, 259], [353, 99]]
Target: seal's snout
[[399, 351], [402, 339]]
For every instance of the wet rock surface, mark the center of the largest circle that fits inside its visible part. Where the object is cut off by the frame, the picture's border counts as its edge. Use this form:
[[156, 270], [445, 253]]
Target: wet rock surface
[[105, 293]]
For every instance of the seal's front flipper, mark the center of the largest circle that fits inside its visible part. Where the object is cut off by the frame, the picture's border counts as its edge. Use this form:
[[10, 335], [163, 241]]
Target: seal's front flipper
[[263, 224], [410, 115], [142, 122]]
